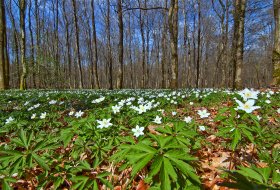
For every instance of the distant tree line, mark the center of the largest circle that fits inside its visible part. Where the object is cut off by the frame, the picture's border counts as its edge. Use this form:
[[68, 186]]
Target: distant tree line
[[118, 44]]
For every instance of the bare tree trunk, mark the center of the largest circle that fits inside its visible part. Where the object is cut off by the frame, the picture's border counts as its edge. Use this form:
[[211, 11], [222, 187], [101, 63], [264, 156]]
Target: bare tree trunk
[[227, 64], [96, 78], [38, 43], [198, 45], [238, 42], [120, 48], [130, 51], [57, 60], [32, 46], [90, 48], [22, 7], [164, 77], [173, 30], [141, 20], [109, 59], [276, 48], [77, 44], [3, 79], [68, 46], [194, 43]]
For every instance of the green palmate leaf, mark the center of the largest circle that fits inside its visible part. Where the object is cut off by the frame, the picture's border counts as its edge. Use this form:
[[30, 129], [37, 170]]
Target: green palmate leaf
[[265, 172], [6, 185], [29, 160], [58, 181], [170, 169], [66, 136], [23, 138], [95, 185], [145, 148], [182, 140], [248, 134], [85, 165], [40, 161], [164, 179], [133, 158], [156, 165], [236, 138], [179, 155], [186, 169], [250, 173], [141, 164], [106, 183], [79, 185], [275, 177], [8, 158], [29, 138], [39, 145], [81, 181], [16, 164], [165, 141], [164, 130], [103, 174], [18, 142]]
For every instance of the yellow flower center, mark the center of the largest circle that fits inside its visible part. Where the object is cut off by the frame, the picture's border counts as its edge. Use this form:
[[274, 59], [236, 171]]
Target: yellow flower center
[[246, 106], [248, 94]]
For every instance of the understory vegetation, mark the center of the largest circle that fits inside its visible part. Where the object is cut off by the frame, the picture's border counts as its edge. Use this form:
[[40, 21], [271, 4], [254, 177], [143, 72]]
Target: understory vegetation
[[140, 139]]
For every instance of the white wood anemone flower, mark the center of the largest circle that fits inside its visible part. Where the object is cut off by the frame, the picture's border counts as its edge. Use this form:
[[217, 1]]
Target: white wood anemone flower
[[104, 123], [138, 131], [249, 94], [248, 106]]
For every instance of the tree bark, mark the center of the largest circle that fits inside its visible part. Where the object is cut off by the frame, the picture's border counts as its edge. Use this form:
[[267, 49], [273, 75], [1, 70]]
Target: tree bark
[[109, 59], [173, 30], [276, 48], [32, 46], [198, 45], [238, 42], [163, 46], [22, 9], [120, 46], [77, 44], [3, 50], [141, 20], [96, 78], [68, 46]]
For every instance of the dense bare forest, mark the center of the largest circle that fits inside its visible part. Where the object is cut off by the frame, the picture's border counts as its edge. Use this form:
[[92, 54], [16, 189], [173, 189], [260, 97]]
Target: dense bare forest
[[139, 43]]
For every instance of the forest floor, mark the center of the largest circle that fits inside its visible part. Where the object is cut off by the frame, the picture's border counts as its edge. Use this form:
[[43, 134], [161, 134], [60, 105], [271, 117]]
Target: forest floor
[[140, 139]]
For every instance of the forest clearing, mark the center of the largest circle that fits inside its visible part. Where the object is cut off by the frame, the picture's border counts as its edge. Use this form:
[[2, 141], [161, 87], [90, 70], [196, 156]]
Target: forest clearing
[[140, 139]]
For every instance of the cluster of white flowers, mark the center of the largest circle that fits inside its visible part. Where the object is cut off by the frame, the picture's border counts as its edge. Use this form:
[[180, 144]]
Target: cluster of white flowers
[[43, 115], [33, 107], [33, 116], [9, 120], [249, 96], [142, 108], [76, 114], [104, 123], [203, 113], [52, 102], [98, 100], [116, 109]]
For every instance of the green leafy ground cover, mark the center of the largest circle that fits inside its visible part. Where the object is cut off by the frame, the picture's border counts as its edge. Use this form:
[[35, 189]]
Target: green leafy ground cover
[[140, 139]]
